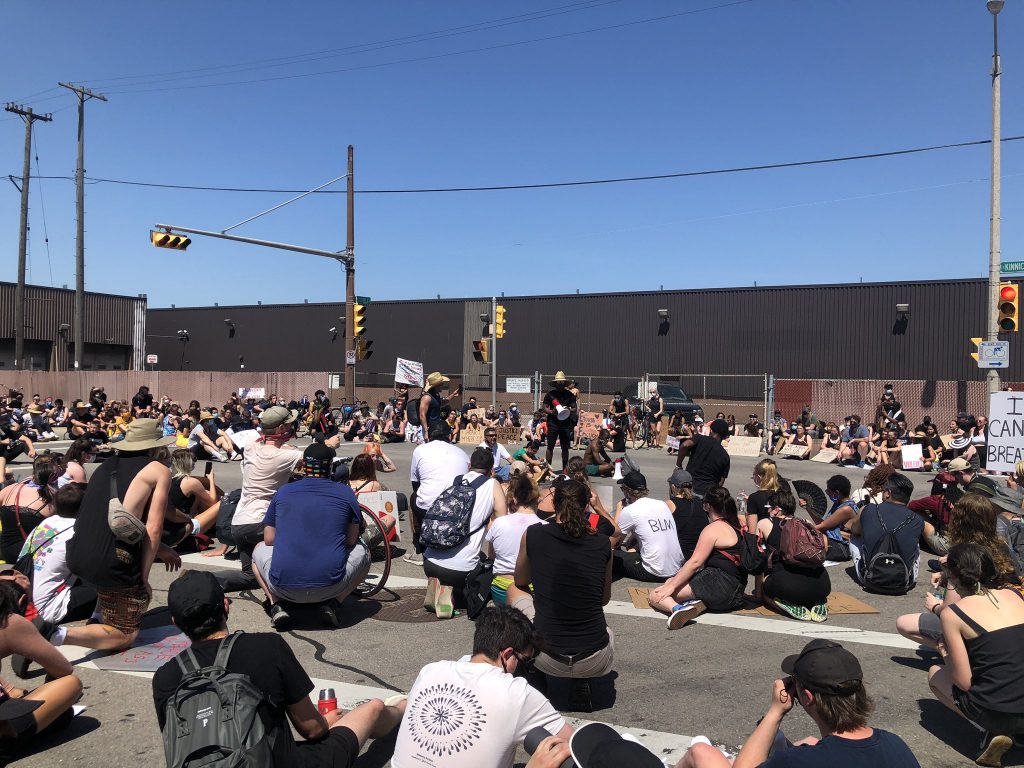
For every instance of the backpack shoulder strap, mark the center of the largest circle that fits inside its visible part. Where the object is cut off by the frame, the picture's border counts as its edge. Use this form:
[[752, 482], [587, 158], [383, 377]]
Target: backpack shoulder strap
[[224, 651], [479, 482], [113, 481]]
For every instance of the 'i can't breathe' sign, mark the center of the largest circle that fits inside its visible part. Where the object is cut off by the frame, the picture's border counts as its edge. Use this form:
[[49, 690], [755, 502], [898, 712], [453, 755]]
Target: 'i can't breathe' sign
[[1005, 431]]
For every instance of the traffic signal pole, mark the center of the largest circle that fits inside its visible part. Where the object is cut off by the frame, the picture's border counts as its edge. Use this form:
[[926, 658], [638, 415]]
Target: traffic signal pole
[[494, 352], [994, 256], [350, 284]]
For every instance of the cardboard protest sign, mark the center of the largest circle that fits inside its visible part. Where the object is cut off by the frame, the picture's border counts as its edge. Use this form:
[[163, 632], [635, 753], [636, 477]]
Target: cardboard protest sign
[[826, 455], [471, 436], [743, 446], [589, 424], [796, 451], [480, 413], [1005, 446], [507, 434], [256, 393], [912, 457], [408, 372], [672, 442], [383, 503]]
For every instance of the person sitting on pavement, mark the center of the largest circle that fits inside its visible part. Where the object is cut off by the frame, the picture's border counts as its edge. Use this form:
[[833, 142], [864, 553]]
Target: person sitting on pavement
[[472, 713], [199, 609], [362, 475], [267, 466], [983, 679], [800, 437], [833, 438], [648, 524], [835, 523], [28, 714], [873, 488], [766, 476], [687, 511], [435, 465], [207, 441], [502, 458], [875, 521], [505, 535], [936, 509], [569, 566], [13, 443], [311, 551], [596, 458], [968, 477], [708, 461], [713, 578], [81, 452], [446, 569], [193, 502], [538, 468], [797, 589], [827, 681], [26, 504], [601, 520], [856, 443]]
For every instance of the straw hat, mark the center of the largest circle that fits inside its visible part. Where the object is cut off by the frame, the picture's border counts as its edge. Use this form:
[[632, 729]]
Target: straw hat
[[436, 378], [143, 434], [204, 415], [560, 377]]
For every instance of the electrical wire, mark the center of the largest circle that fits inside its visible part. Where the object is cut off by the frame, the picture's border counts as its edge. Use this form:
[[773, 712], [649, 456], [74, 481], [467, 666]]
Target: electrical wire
[[556, 184], [433, 57], [42, 210]]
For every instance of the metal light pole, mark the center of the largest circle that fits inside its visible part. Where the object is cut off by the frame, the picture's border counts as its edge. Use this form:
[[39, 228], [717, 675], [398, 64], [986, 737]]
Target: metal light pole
[[994, 258]]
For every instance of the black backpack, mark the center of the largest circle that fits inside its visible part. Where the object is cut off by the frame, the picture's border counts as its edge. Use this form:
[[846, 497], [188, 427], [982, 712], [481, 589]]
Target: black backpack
[[412, 412], [213, 719], [887, 573]]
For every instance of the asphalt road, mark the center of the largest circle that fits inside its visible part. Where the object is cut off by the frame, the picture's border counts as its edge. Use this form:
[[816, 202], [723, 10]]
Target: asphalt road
[[712, 677]]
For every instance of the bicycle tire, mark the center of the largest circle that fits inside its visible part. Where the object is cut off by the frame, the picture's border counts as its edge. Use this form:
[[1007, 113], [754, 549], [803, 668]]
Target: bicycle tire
[[380, 569]]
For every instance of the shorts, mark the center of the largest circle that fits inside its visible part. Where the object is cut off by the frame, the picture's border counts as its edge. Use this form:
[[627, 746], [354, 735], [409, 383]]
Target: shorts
[[122, 609], [930, 626], [356, 567], [593, 470], [499, 589], [718, 590], [595, 664], [340, 748], [630, 565], [996, 723]]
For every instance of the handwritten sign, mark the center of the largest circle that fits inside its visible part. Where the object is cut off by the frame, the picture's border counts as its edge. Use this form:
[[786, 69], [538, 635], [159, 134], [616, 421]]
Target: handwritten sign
[[589, 424], [826, 455], [383, 503], [480, 413], [794, 451], [154, 647], [743, 446], [256, 393], [912, 457], [408, 372], [1005, 446], [471, 435], [672, 442], [507, 434]]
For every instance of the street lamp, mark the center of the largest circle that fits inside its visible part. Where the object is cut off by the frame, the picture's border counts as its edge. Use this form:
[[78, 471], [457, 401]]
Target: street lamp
[[994, 258]]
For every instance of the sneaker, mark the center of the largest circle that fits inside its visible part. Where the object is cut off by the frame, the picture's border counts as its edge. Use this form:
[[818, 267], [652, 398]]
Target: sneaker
[[682, 613], [700, 740], [279, 617], [413, 559], [220, 456], [443, 605], [860, 465], [430, 597], [329, 616], [394, 701], [994, 749]]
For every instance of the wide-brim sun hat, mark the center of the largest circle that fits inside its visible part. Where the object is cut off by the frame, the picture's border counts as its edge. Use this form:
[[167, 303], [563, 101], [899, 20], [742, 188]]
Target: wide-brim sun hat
[[436, 378], [560, 378], [141, 435]]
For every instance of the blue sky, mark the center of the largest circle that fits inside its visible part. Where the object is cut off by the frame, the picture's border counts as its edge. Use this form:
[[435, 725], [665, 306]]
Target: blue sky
[[756, 82]]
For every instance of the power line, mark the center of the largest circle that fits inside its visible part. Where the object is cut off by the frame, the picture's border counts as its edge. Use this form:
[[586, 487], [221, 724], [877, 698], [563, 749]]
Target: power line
[[555, 184], [42, 210], [311, 56], [433, 57]]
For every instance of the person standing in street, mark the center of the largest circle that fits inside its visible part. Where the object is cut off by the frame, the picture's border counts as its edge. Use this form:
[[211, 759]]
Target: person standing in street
[[562, 411]]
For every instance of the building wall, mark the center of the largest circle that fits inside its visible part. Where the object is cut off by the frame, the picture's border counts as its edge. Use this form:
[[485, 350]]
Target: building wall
[[812, 332]]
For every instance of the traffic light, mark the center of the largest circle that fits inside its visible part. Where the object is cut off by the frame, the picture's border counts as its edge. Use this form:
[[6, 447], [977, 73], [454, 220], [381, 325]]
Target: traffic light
[[167, 240], [480, 350], [363, 350], [1008, 296], [359, 322], [499, 322], [977, 345]]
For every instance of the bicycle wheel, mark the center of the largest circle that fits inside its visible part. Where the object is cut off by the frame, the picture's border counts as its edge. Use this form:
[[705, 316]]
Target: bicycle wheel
[[375, 539]]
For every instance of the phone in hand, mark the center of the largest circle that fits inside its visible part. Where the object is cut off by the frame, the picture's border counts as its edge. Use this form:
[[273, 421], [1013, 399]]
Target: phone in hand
[[209, 468]]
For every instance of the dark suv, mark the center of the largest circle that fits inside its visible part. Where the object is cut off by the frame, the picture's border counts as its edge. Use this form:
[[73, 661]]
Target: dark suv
[[675, 400]]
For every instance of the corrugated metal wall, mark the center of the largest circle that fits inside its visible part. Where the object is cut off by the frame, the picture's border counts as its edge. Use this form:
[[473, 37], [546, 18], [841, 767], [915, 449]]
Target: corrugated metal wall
[[827, 332]]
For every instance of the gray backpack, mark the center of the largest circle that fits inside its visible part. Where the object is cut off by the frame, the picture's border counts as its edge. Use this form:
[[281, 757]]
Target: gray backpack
[[446, 523], [213, 719]]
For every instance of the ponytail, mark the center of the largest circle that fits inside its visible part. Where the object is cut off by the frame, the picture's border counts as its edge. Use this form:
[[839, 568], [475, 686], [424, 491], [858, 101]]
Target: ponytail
[[571, 500], [724, 505]]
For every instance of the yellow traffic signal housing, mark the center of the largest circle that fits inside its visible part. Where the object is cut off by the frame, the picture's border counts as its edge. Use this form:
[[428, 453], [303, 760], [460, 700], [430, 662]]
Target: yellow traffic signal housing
[[359, 322], [499, 322], [976, 343], [480, 350], [167, 240], [363, 350], [1008, 315]]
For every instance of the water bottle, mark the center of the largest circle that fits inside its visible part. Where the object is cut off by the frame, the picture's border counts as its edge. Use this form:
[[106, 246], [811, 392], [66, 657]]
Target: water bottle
[[327, 702]]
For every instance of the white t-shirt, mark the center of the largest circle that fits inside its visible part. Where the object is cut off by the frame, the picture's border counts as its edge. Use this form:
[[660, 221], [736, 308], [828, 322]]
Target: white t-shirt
[[464, 557], [651, 521], [49, 541], [463, 714], [435, 465], [506, 535], [499, 451], [193, 436], [265, 469]]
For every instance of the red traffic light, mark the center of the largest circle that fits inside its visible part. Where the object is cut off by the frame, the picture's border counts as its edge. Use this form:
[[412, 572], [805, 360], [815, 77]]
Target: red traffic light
[[1008, 292]]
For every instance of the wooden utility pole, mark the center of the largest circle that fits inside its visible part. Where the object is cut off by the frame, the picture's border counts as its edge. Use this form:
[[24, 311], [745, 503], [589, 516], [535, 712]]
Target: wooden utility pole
[[83, 94], [29, 117], [350, 285]]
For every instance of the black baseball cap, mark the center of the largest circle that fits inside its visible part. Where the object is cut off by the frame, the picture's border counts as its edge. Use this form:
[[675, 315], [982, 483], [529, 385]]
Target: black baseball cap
[[193, 596], [825, 667], [720, 427], [634, 480]]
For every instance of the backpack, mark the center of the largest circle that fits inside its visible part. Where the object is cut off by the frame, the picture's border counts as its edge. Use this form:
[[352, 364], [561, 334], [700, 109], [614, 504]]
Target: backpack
[[224, 515], [1014, 536], [753, 557], [213, 719], [886, 573], [412, 412], [446, 523], [800, 543]]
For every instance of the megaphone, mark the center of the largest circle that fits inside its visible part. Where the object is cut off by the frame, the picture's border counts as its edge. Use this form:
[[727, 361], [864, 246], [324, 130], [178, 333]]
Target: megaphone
[[561, 411], [618, 470]]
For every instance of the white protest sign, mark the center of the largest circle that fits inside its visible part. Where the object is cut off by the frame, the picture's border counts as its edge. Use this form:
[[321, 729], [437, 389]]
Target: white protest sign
[[742, 445], [913, 458], [672, 442], [256, 393], [1005, 446], [383, 503], [795, 450], [408, 372]]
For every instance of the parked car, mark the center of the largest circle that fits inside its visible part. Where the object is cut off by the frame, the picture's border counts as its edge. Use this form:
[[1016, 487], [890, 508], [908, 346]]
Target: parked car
[[675, 400]]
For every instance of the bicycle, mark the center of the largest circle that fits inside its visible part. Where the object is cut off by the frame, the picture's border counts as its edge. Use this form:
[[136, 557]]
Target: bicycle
[[375, 539], [639, 427]]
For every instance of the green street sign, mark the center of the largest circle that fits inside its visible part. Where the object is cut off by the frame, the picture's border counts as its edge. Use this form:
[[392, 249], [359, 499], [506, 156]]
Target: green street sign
[[1008, 267], [367, 299]]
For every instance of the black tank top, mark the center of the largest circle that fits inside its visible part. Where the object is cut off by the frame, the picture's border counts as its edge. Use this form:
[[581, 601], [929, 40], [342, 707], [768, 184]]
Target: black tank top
[[997, 676], [652, 404], [690, 519], [178, 499], [728, 560], [16, 523]]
